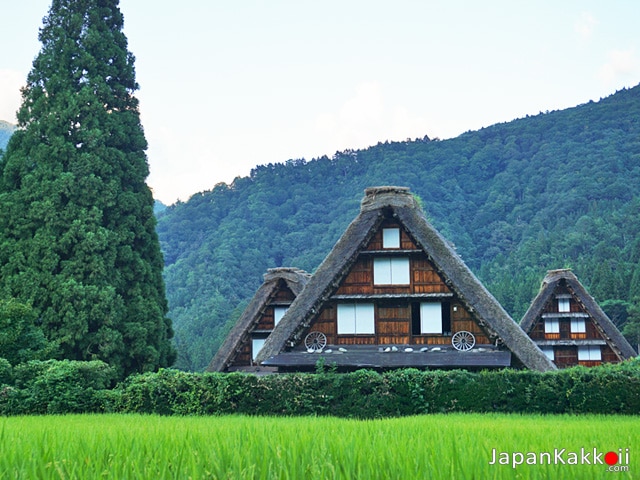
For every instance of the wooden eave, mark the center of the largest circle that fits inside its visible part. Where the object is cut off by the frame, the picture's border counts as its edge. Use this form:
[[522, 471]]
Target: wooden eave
[[571, 343], [373, 358]]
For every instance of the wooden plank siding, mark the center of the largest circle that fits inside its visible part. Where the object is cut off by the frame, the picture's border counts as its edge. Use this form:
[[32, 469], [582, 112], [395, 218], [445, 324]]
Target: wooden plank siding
[[406, 242], [393, 318], [423, 276], [393, 326]]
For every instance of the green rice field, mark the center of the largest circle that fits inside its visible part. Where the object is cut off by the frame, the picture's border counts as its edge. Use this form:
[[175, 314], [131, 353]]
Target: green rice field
[[455, 446]]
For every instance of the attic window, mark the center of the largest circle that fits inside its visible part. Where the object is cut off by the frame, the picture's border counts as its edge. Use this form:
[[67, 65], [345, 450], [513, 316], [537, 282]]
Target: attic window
[[256, 346], [390, 238], [589, 352], [391, 271], [563, 305], [278, 313]]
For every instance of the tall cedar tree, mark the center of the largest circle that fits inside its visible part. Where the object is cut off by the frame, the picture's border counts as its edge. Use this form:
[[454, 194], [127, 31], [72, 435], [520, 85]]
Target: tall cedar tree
[[77, 231]]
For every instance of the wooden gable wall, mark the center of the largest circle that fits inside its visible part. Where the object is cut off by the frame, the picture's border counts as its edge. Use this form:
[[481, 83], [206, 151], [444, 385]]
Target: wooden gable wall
[[396, 306]]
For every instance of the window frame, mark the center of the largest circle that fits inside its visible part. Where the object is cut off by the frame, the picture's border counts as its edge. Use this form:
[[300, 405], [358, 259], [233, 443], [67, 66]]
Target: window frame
[[391, 271], [578, 325], [355, 313], [564, 304], [391, 237], [549, 352], [278, 313], [590, 351], [551, 322], [254, 351]]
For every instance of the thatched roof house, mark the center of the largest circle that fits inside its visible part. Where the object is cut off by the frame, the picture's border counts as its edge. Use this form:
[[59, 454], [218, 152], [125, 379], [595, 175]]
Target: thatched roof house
[[394, 293], [570, 327], [280, 287]]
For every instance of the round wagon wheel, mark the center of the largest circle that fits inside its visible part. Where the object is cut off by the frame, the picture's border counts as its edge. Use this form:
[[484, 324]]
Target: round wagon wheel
[[463, 341], [315, 341]]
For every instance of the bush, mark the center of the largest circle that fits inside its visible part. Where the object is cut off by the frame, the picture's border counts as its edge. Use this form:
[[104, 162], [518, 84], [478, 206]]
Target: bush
[[58, 387]]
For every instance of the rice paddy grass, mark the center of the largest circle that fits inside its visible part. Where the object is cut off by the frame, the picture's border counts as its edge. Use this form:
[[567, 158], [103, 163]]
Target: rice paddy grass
[[455, 446]]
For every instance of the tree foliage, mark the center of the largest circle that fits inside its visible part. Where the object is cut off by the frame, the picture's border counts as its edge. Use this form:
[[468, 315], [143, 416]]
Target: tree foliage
[[559, 189], [77, 230], [21, 339]]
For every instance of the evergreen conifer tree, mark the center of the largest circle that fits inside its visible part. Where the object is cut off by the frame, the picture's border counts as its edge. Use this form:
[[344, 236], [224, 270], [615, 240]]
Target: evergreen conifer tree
[[77, 230]]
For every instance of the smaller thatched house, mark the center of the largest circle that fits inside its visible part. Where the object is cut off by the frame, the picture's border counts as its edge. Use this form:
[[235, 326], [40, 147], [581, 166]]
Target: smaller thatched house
[[393, 293], [269, 304], [570, 327]]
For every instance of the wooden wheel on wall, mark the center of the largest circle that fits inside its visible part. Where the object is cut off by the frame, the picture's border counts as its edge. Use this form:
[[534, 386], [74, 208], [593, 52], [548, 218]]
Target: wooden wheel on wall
[[315, 342], [463, 341]]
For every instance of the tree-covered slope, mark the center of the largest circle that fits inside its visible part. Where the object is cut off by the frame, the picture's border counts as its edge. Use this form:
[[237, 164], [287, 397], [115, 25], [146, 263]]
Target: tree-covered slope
[[6, 130], [553, 190]]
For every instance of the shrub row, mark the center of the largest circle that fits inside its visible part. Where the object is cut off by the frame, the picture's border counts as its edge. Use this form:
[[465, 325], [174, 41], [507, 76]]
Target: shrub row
[[70, 387], [55, 387]]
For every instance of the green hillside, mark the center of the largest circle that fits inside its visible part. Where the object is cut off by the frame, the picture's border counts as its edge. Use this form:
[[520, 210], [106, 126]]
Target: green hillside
[[6, 130], [559, 189]]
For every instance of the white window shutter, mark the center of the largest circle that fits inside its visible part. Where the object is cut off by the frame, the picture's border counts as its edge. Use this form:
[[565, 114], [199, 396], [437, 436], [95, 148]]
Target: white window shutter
[[278, 313], [365, 318], [390, 238], [346, 318], [430, 317], [256, 346]]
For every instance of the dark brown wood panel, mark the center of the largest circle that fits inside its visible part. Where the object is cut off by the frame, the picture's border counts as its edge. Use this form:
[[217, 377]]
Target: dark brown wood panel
[[283, 293], [608, 355], [566, 356], [425, 278], [266, 321], [360, 278]]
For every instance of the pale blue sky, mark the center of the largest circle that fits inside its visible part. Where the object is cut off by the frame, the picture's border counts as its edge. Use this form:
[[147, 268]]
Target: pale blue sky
[[228, 85]]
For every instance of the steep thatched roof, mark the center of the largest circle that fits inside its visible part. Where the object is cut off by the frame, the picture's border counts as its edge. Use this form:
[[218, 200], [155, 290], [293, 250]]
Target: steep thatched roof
[[295, 280], [551, 281], [380, 203]]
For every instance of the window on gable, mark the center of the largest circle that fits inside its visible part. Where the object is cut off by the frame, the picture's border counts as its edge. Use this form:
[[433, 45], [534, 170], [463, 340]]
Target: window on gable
[[578, 325], [551, 325], [548, 351], [431, 318], [356, 319], [390, 238], [278, 313], [589, 352], [563, 305], [391, 271], [256, 346]]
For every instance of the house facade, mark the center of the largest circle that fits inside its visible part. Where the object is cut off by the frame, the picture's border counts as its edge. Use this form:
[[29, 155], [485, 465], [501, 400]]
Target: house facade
[[263, 313], [570, 327], [393, 293]]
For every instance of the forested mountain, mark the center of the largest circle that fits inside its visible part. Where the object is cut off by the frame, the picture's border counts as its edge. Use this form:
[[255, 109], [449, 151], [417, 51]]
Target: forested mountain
[[6, 129], [559, 189]]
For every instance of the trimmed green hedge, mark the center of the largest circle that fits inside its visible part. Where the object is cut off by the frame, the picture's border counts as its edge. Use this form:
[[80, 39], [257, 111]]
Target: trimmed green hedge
[[367, 394], [72, 387]]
